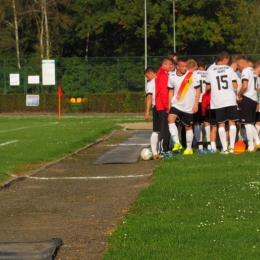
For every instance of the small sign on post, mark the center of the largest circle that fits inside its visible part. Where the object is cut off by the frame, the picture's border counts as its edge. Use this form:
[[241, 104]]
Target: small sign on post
[[48, 72], [32, 100], [14, 79]]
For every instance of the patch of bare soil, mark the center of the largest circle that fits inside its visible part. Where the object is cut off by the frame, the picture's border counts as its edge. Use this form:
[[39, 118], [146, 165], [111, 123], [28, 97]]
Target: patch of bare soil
[[82, 212]]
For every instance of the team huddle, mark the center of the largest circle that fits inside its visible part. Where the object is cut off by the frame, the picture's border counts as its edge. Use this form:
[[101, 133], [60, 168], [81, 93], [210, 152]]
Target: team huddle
[[192, 100]]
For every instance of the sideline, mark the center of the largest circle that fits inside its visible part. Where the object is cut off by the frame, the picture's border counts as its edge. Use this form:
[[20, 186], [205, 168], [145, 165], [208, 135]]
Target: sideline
[[25, 127], [89, 178], [15, 179], [14, 141]]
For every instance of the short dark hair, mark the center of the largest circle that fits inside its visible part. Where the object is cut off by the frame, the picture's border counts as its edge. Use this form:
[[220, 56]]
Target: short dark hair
[[149, 69], [234, 58], [222, 55], [250, 60], [202, 62], [182, 60], [163, 60], [242, 57], [172, 55]]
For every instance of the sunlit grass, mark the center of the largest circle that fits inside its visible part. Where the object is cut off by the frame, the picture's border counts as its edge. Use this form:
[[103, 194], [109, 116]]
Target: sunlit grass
[[29, 140], [197, 207]]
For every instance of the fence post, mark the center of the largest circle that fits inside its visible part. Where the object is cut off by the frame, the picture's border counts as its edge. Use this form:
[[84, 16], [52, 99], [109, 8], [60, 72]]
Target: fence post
[[4, 79]]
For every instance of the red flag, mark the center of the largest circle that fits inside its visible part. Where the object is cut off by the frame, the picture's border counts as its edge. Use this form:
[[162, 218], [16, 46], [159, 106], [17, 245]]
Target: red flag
[[59, 91]]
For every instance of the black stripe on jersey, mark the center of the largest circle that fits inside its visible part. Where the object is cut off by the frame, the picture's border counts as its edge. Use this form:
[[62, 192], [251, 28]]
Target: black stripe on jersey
[[244, 80], [197, 86], [149, 94]]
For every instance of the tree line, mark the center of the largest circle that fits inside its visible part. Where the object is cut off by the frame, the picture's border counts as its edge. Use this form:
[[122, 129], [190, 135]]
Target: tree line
[[88, 28]]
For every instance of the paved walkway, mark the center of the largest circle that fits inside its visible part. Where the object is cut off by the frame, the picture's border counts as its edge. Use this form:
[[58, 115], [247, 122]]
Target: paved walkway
[[68, 201]]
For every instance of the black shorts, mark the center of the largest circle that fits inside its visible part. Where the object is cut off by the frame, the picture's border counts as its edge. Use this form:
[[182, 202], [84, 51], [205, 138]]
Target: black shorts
[[210, 117], [185, 118], [248, 110], [198, 117], [156, 122], [163, 121], [257, 117], [224, 114]]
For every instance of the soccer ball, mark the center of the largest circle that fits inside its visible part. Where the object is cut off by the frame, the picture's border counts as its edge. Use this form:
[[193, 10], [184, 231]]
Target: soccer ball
[[146, 154]]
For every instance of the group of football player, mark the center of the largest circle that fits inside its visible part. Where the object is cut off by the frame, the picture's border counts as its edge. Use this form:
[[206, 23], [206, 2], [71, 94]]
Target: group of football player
[[218, 104]]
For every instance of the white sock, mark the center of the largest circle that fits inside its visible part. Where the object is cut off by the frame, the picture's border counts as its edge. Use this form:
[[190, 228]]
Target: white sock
[[232, 135], [250, 136], [174, 133], [222, 137], [189, 137], [255, 134], [257, 129], [207, 130], [213, 146], [154, 143]]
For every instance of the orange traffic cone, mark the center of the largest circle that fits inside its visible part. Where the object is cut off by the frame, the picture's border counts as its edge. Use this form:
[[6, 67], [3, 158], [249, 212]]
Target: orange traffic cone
[[240, 147]]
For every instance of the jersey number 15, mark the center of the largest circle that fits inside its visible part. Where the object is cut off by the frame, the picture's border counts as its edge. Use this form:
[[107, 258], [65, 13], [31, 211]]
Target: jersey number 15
[[222, 82]]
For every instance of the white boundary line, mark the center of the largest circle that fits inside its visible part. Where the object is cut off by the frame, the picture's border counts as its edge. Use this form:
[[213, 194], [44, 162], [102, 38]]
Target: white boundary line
[[14, 141], [125, 144], [15, 129], [89, 178]]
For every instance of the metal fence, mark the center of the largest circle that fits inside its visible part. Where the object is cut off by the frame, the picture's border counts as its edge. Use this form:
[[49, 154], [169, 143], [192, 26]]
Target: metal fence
[[78, 76]]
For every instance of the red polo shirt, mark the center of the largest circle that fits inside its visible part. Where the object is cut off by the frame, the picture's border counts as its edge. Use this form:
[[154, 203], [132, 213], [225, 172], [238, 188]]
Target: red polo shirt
[[161, 90]]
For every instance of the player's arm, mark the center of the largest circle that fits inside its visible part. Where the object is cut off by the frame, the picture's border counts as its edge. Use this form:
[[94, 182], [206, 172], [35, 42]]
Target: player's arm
[[234, 83], [207, 86], [148, 105], [196, 104], [243, 88], [170, 96]]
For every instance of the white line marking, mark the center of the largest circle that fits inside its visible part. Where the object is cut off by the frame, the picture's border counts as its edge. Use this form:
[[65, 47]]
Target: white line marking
[[3, 131], [8, 142], [124, 144], [88, 178]]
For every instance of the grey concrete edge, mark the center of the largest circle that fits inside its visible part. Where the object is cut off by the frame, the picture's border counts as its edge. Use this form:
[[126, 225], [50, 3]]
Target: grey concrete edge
[[11, 181]]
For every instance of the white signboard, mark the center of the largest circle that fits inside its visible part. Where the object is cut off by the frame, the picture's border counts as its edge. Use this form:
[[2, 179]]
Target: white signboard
[[48, 72], [33, 80], [14, 79], [32, 100]]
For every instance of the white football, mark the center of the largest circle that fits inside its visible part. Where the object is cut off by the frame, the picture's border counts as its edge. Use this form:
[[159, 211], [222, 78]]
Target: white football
[[146, 154]]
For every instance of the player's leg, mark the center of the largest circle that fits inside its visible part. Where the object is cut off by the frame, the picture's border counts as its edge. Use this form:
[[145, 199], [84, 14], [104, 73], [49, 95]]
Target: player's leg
[[155, 134], [172, 117], [221, 117], [164, 130], [187, 120], [248, 108], [233, 117]]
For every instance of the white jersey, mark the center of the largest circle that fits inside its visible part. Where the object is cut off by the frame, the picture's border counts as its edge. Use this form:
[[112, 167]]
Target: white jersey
[[173, 72], [201, 76], [184, 91], [250, 76], [150, 89], [239, 84], [221, 78]]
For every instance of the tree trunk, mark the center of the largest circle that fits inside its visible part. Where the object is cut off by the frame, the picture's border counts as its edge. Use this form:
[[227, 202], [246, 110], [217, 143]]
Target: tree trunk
[[16, 36], [47, 37]]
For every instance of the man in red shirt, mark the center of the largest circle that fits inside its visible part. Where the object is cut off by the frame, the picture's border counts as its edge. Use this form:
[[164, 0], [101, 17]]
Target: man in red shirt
[[162, 104]]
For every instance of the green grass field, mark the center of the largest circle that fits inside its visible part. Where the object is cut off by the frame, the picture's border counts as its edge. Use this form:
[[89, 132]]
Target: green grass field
[[26, 141], [197, 207]]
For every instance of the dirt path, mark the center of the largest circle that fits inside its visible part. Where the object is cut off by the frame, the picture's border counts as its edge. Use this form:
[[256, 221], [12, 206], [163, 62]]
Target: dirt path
[[82, 212]]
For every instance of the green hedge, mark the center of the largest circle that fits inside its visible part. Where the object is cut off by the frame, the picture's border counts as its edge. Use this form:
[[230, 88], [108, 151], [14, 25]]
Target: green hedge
[[123, 102]]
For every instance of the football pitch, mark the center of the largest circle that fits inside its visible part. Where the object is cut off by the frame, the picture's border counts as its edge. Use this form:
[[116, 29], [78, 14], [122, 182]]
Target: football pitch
[[28, 141], [197, 207]]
